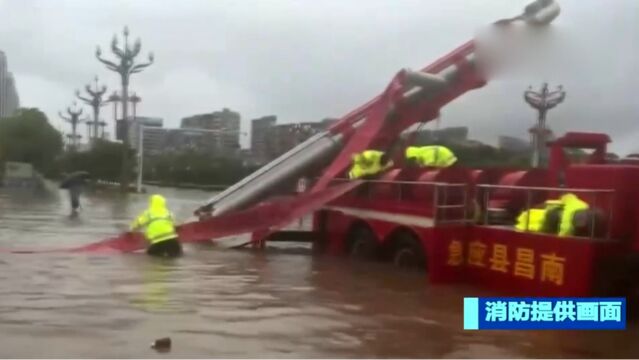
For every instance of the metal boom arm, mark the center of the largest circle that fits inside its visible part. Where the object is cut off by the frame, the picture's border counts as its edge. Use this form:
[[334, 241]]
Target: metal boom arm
[[411, 97]]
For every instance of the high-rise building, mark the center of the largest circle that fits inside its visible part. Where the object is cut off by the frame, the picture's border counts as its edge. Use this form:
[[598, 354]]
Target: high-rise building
[[9, 99], [226, 126], [270, 140], [260, 129], [149, 123]]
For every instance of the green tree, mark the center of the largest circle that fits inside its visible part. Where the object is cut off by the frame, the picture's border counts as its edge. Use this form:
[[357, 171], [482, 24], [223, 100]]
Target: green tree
[[28, 137], [194, 168], [102, 162]]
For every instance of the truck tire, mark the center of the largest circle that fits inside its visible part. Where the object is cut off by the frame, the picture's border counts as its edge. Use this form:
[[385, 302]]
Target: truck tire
[[408, 253], [362, 244]]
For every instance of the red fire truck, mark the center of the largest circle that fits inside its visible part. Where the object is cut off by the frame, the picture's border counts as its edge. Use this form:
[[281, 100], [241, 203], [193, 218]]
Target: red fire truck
[[458, 224]]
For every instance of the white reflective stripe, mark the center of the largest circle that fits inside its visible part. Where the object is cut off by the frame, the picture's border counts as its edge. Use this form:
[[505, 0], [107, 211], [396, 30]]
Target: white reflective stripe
[[403, 219]]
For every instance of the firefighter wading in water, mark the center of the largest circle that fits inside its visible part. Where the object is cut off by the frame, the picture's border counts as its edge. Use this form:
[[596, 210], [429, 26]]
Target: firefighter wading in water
[[159, 229]]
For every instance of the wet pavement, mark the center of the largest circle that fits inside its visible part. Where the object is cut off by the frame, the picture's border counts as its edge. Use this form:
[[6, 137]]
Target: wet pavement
[[217, 302]]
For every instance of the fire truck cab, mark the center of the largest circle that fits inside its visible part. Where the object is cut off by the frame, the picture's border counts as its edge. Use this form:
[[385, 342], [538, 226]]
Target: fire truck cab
[[458, 224]]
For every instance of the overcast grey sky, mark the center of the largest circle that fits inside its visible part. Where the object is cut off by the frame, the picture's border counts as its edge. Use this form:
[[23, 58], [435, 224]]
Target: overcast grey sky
[[305, 60]]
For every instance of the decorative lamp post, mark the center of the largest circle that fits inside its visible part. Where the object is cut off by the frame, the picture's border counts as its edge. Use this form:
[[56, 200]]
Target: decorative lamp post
[[542, 101], [74, 119], [125, 66], [94, 100], [102, 125], [115, 99], [135, 99]]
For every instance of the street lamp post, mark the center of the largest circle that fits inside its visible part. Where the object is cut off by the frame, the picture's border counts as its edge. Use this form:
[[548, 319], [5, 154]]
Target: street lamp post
[[140, 157], [94, 100], [74, 119], [115, 99], [135, 99], [542, 101], [125, 66], [102, 125]]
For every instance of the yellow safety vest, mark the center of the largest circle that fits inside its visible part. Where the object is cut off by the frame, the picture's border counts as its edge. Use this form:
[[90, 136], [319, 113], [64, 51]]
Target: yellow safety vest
[[531, 220], [157, 221], [535, 218], [431, 156], [368, 163]]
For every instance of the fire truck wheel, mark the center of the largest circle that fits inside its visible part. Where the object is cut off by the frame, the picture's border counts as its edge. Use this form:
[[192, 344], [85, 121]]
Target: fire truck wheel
[[408, 253], [362, 244]]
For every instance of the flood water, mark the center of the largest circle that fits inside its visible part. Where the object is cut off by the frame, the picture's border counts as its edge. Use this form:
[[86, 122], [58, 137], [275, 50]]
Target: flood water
[[217, 302]]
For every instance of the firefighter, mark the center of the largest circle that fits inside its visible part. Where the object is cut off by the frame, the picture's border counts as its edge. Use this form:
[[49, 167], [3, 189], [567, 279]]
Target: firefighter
[[556, 218], [159, 229], [540, 220], [430, 156], [369, 163]]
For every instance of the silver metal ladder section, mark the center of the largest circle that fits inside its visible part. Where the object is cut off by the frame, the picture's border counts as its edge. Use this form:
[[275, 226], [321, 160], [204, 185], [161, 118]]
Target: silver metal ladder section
[[287, 167], [321, 148]]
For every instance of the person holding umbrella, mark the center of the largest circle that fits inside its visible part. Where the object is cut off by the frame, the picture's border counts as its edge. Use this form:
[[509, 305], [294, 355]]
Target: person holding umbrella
[[74, 184]]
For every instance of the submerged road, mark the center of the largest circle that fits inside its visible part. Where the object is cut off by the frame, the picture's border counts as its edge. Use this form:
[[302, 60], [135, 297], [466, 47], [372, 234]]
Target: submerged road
[[216, 302]]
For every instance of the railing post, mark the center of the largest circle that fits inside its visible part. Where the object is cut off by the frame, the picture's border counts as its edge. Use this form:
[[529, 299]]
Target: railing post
[[486, 199], [611, 200], [592, 224], [435, 203], [465, 203], [528, 201]]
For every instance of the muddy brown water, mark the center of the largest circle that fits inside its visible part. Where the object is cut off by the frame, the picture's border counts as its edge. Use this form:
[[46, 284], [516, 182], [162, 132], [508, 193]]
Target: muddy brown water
[[217, 302]]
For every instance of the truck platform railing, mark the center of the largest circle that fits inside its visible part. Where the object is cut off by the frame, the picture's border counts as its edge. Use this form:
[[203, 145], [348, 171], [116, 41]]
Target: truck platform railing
[[449, 201], [597, 199]]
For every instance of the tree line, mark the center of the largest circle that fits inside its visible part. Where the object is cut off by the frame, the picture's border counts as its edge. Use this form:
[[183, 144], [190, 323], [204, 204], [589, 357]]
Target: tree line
[[29, 137]]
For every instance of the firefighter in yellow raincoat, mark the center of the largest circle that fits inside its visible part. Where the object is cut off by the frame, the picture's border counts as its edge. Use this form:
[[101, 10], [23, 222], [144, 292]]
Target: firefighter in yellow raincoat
[[159, 229]]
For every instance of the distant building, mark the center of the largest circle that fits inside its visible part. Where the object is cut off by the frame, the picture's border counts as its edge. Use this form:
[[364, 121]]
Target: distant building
[[225, 122], [284, 137], [134, 128], [161, 140], [9, 99], [260, 129], [270, 140], [514, 144]]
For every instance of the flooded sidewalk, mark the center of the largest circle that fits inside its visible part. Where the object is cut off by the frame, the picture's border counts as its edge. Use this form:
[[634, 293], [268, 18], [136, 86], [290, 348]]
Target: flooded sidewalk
[[216, 302]]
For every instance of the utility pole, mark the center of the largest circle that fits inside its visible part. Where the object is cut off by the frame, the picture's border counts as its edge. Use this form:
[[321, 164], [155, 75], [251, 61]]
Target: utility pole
[[542, 101], [125, 66], [74, 119], [94, 100]]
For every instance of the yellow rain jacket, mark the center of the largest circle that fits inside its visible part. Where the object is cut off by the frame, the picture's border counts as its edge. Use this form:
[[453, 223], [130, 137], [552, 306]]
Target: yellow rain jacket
[[533, 217], [431, 156], [157, 221], [571, 204], [537, 217], [368, 163]]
